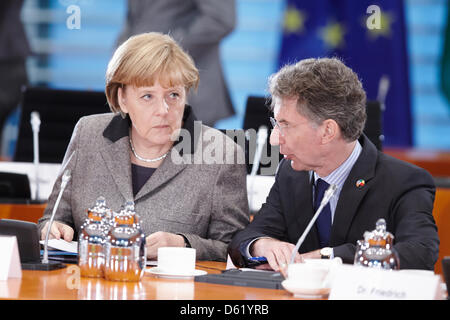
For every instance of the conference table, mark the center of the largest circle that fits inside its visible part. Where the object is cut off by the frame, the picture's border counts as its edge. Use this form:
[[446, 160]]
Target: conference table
[[57, 285], [62, 284]]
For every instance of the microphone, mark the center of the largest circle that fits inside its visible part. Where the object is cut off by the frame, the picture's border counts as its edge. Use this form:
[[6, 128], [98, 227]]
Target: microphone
[[261, 138], [383, 88], [35, 124], [326, 197], [65, 179]]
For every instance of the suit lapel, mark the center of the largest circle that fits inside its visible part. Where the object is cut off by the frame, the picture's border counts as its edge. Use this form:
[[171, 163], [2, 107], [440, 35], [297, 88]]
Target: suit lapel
[[351, 195], [117, 158]]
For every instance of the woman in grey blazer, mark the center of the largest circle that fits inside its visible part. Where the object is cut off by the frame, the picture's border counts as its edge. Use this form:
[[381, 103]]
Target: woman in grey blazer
[[187, 180]]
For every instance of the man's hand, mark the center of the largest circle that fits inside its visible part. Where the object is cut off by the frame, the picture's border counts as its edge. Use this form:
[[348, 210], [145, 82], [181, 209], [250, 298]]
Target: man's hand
[[162, 239], [59, 230], [278, 253]]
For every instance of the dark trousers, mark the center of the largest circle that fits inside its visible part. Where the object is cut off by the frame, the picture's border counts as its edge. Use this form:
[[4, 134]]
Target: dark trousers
[[13, 76]]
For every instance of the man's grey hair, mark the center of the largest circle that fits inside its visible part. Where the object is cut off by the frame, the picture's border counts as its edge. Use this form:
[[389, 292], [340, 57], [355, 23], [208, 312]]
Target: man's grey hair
[[326, 89]]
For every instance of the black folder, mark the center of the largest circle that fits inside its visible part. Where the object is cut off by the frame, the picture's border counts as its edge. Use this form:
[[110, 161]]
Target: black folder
[[245, 278]]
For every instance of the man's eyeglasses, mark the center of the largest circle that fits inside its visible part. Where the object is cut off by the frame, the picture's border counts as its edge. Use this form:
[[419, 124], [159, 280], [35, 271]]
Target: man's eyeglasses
[[277, 125]]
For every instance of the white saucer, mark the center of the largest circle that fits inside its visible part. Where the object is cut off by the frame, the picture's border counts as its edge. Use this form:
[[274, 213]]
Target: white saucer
[[307, 293], [163, 274]]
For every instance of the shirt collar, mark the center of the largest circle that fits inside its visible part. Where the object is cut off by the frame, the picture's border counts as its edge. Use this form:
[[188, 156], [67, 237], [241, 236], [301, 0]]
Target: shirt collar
[[340, 174]]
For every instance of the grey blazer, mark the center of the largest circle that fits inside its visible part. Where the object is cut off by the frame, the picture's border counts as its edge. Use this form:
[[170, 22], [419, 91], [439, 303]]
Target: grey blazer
[[206, 203], [198, 26]]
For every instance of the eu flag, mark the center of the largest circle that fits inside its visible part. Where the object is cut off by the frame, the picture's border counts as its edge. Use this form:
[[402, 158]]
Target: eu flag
[[370, 37]]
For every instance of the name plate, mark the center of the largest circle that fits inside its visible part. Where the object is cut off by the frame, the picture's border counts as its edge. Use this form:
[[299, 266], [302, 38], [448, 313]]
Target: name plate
[[9, 258], [360, 283]]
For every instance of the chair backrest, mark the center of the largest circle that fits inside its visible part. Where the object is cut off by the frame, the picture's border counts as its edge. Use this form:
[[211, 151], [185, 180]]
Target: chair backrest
[[374, 124], [238, 136], [14, 186], [59, 111], [257, 113]]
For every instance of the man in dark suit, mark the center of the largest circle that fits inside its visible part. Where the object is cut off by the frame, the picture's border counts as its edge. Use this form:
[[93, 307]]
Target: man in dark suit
[[319, 108], [14, 50]]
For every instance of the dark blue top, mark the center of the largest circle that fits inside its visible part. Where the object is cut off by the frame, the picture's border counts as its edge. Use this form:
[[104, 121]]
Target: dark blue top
[[140, 176]]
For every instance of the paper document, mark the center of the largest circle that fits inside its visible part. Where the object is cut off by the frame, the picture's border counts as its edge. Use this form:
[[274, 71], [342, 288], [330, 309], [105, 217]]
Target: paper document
[[62, 245]]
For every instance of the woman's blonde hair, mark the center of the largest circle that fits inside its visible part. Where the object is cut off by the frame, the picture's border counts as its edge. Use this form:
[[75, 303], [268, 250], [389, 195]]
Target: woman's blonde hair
[[146, 58]]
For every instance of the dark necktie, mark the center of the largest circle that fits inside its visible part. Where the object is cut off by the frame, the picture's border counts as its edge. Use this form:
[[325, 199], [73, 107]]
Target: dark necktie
[[323, 222]]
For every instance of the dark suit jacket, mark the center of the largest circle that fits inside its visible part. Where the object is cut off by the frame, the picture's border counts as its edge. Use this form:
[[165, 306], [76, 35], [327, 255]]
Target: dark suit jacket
[[397, 191]]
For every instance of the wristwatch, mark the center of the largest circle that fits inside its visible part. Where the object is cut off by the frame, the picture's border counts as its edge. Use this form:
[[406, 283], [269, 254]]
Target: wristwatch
[[186, 242], [326, 252]]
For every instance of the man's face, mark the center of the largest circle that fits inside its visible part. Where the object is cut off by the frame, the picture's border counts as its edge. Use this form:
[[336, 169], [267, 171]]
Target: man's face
[[299, 138]]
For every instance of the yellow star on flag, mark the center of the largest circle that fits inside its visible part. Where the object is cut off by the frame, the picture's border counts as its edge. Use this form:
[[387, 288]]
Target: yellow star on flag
[[294, 20], [386, 21], [333, 35]]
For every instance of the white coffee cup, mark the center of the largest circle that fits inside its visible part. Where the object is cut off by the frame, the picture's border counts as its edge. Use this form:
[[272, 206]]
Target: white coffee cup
[[313, 273], [307, 276], [176, 260]]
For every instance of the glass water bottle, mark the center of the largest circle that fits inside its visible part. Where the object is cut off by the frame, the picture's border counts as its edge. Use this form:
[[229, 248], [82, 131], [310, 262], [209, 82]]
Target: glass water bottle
[[91, 241], [125, 250], [377, 249]]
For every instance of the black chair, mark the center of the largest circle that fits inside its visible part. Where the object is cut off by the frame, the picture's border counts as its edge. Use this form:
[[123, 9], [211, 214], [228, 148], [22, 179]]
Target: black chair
[[239, 137], [59, 111], [14, 187], [257, 113], [374, 124]]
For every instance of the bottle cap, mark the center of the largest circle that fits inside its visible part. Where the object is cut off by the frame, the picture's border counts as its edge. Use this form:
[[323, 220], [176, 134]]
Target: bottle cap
[[99, 210]]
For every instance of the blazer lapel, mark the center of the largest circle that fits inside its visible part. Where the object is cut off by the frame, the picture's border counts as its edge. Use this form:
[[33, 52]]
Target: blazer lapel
[[117, 159], [351, 195]]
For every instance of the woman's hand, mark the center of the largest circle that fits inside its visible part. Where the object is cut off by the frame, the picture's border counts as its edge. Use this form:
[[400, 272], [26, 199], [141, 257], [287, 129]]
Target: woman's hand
[[162, 239], [59, 230]]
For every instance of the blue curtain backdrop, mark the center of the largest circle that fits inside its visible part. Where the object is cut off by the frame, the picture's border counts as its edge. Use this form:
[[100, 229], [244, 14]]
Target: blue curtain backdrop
[[326, 28]]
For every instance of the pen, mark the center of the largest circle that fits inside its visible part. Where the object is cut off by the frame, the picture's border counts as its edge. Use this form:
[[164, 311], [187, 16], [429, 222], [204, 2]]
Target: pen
[[258, 259]]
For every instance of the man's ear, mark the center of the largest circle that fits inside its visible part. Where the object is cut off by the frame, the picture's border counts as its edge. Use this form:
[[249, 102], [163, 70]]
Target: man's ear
[[330, 131], [121, 99]]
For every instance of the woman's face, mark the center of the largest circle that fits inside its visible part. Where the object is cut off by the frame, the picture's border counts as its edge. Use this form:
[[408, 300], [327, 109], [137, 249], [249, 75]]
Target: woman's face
[[156, 112]]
